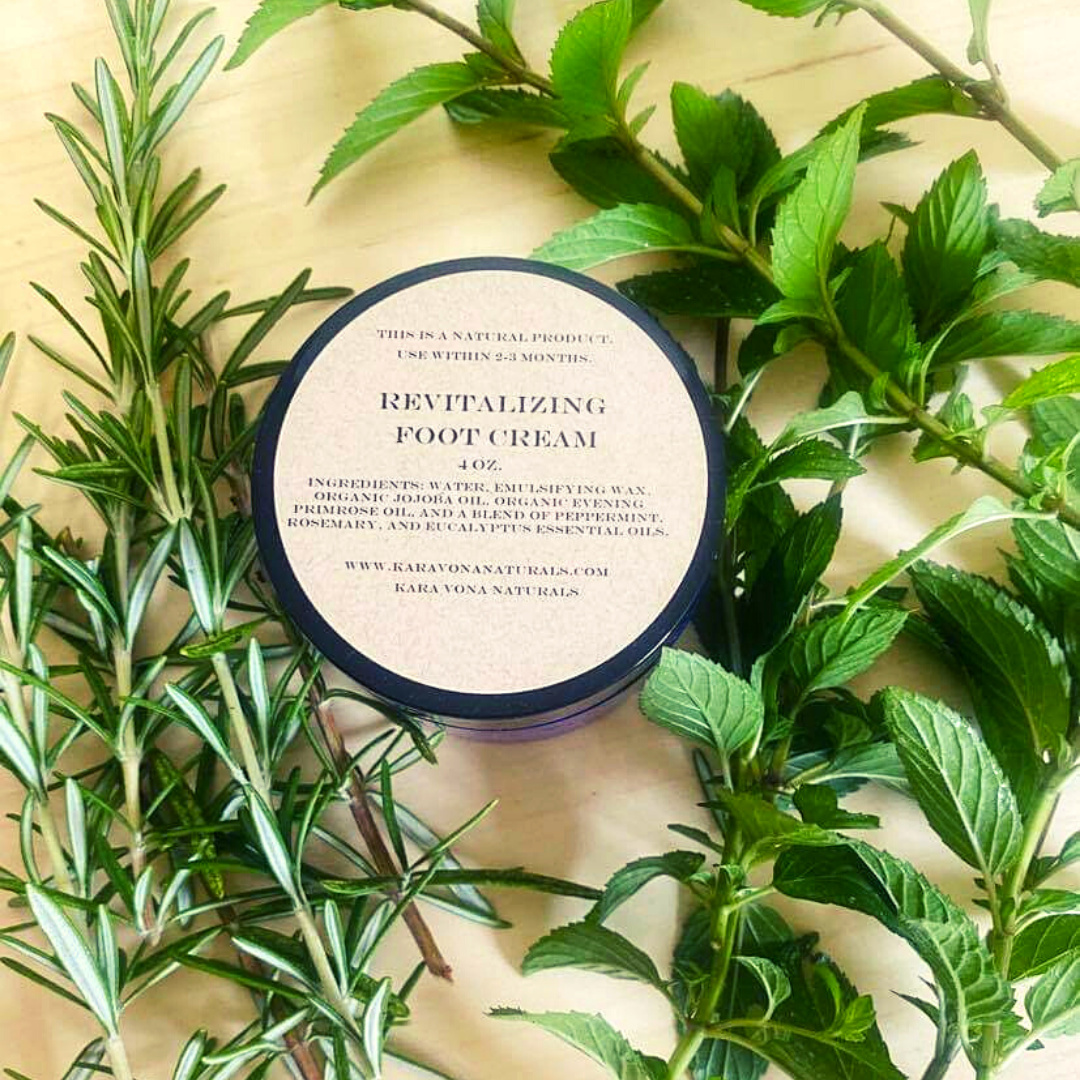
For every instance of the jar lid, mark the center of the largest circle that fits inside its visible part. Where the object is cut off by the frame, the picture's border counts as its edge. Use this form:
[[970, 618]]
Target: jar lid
[[489, 488]]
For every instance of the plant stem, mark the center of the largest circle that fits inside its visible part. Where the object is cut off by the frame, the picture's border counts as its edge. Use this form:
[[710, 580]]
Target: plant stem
[[360, 808], [173, 503], [988, 97], [512, 65], [50, 835], [118, 1058], [238, 723], [1006, 901], [130, 762]]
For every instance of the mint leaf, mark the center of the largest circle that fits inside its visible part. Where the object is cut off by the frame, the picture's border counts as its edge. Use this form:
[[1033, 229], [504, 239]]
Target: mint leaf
[[824, 1029], [593, 947], [878, 762], [398, 105], [602, 171], [946, 242], [1050, 552], [1054, 380], [956, 780], [978, 49], [789, 9], [268, 18], [594, 1037], [1008, 333], [616, 233], [495, 18], [723, 131], [714, 290], [843, 414], [1049, 257], [931, 94], [983, 511], [1053, 1003], [513, 106], [632, 878], [772, 979], [700, 701], [874, 311], [862, 878], [1016, 671], [766, 828], [809, 220], [642, 11], [1042, 944], [812, 459], [832, 651], [791, 570], [587, 55], [1062, 191], [819, 805]]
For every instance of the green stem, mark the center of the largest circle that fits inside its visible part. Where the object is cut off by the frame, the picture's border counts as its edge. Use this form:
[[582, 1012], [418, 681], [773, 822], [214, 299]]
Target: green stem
[[173, 503], [509, 63], [130, 755], [986, 96], [238, 723], [1005, 903]]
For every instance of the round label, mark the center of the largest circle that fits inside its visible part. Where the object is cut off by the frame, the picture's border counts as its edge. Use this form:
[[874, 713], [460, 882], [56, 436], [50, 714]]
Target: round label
[[486, 480]]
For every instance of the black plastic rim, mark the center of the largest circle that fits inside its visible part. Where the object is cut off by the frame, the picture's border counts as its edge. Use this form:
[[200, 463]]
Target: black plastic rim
[[418, 697]]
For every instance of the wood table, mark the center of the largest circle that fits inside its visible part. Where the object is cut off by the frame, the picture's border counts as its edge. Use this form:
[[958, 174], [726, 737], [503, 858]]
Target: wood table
[[578, 806]]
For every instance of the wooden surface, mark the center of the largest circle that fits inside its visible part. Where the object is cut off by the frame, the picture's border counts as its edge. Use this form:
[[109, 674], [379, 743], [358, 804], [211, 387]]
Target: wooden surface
[[581, 805]]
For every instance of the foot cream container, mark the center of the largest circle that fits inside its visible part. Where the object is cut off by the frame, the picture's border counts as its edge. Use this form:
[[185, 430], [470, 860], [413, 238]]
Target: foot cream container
[[489, 490]]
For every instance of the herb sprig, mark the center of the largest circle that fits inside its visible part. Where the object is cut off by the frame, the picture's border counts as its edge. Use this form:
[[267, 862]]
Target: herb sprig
[[160, 817]]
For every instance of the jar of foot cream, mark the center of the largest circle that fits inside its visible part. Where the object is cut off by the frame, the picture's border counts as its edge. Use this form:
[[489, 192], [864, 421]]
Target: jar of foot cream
[[490, 491]]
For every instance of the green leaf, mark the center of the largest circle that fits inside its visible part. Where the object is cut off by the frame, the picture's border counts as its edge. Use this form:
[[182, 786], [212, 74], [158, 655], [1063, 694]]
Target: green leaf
[[586, 57], [512, 106], [956, 780], [714, 290], [495, 19], [985, 510], [793, 567], [772, 978], [594, 1037], [615, 234], [632, 878], [832, 651], [809, 220], [270, 17], [1049, 257], [1008, 333], [1060, 192], [878, 762], [818, 805], [592, 947], [698, 700], [788, 9], [874, 311], [602, 171], [824, 1030], [930, 94], [1042, 944], [766, 828], [373, 1025], [272, 844], [1016, 671], [398, 105], [717, 132], [811, 459], [1052, 381], [1050, 552], [979, 48], [179, 97], [1053, 1003], [75, 956], [946, 242], [199, 720], [846, 412], [861, 878]]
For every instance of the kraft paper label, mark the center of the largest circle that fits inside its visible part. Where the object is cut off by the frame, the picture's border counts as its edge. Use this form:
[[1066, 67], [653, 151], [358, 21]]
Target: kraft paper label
[[490, 482]]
